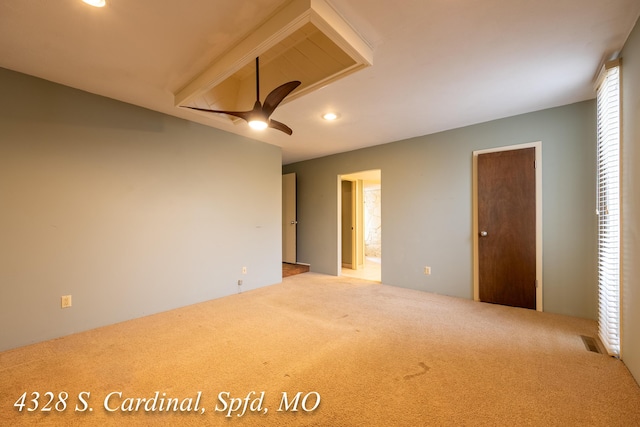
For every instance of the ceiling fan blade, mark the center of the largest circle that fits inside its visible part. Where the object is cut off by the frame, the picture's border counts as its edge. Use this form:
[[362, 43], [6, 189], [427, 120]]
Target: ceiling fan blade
[[274, 124], [277, 95], [242, 114]]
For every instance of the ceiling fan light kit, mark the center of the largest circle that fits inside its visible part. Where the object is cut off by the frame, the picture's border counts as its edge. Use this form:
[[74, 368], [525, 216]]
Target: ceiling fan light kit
[[258, 124], [305, 41]]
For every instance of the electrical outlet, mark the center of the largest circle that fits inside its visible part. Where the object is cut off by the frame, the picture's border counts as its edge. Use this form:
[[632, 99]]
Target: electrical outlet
[[244, 270], [239, 282], [427, 271], [65, 301]]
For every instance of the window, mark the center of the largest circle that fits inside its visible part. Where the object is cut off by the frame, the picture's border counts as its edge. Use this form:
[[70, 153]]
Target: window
[[608, 209]]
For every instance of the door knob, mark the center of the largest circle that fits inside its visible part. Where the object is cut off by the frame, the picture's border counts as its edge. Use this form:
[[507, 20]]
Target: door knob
[[483, 234], [294, 222]]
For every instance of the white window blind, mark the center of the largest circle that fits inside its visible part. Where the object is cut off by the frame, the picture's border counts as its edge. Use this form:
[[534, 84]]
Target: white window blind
[[608, 140]]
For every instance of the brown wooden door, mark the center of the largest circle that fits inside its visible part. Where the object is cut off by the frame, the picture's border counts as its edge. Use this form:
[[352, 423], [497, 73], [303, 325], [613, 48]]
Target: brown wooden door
[[507, 226]]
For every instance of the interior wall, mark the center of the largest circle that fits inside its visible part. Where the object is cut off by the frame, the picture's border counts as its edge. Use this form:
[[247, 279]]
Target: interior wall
[[427, 211], [130, 211], [630, 322]]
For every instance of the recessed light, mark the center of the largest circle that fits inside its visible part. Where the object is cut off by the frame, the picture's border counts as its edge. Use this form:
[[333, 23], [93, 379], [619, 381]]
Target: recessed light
[[96, 3], [330, 116]]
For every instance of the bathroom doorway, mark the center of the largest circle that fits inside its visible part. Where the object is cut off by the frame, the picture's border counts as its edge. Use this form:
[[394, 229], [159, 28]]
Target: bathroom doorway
[[360, 232]]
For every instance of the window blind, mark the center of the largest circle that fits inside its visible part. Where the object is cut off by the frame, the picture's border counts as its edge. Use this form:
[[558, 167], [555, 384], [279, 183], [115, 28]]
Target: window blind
[[608, 209]]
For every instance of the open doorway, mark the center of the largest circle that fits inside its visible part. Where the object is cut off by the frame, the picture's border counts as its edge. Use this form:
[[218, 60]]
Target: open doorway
[[360, 229]]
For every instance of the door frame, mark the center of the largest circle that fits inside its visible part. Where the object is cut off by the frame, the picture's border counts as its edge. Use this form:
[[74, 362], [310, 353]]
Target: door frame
[[358, 177], [476, 270]]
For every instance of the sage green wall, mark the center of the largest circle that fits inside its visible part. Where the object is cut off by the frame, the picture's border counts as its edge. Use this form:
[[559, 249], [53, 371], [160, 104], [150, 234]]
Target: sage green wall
[[630, 322], [130, 211], [427, 205]]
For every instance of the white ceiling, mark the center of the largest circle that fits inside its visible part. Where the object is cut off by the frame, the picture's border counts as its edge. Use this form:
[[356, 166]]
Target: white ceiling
[[437, 64]]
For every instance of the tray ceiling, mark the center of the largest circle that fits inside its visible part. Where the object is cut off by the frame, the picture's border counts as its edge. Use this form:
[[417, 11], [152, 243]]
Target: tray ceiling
[[305, 40]]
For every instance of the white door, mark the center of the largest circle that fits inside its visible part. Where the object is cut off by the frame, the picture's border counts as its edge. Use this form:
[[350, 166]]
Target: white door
[[289, 220]]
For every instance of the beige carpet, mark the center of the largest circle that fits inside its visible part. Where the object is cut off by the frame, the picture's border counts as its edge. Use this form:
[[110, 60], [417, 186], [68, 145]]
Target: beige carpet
[[376, 355]]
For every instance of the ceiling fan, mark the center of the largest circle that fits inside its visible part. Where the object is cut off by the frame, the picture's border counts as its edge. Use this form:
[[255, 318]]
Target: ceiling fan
[[258, 118]]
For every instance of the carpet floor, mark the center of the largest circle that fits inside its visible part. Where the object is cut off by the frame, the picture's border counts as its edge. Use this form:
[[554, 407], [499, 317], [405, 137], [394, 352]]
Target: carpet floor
[[359, 354]]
